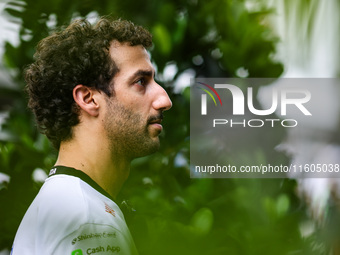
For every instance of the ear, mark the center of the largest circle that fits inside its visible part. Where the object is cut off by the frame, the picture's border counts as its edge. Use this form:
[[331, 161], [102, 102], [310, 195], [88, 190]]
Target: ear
[[87, 99]]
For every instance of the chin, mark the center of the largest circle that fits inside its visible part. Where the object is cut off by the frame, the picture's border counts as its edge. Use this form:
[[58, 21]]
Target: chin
[[148, 149]]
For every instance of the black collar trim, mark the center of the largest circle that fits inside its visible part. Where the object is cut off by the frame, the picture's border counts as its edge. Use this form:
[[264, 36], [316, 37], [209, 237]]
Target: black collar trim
[[80, 174]]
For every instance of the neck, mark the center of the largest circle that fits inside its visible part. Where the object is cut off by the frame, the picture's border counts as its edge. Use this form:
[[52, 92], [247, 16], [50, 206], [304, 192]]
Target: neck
[[108, 170]]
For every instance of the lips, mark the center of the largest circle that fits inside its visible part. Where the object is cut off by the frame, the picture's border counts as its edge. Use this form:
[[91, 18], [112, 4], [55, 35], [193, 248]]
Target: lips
[[156, 119], [155, 122]]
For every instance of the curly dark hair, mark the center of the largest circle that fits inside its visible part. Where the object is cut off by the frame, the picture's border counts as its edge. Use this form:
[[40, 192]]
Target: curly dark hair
[[79, 54]]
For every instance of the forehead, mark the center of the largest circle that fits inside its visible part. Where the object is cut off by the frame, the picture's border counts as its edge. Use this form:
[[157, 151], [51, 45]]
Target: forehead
[[130, 58]]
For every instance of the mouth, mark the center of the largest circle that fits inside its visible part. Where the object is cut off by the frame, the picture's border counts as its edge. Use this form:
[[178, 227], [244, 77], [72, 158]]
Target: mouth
[[156, 121]]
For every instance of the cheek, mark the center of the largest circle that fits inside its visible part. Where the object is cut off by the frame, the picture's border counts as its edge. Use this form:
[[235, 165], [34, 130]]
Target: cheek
[[138, 106], [136, 103], [124, 116], [129, 100]]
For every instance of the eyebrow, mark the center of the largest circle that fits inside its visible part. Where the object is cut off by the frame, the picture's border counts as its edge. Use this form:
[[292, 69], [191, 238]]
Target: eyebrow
[[142, 73]]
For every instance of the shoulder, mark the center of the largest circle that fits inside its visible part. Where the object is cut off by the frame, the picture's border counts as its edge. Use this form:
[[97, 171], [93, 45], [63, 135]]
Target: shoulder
[[61, 187], [61, 202], [62, 195], [58, 210]]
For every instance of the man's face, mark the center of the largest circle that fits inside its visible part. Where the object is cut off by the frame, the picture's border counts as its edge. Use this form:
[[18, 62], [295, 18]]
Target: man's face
[[134, 112]]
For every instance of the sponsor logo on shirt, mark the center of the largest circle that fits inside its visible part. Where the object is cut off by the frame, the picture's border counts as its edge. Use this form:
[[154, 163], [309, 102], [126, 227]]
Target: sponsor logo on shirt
[[77, 252], [99, 249], [93, 235], [109, 210], [53, 170]]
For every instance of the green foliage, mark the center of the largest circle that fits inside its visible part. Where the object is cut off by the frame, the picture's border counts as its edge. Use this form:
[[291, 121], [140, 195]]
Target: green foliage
[[174, 214]]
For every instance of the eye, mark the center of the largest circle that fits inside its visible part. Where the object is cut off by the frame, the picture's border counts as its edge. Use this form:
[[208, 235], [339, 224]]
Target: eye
[[141, 82]]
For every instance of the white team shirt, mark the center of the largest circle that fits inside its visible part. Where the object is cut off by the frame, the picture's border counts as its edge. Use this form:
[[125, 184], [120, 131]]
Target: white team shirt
[[72, 215]]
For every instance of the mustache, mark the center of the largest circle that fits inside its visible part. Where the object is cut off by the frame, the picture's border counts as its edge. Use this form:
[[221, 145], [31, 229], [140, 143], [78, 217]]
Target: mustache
[[156, 118]]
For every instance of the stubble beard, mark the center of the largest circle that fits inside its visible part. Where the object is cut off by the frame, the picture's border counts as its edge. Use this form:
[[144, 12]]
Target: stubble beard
[[128, 133]]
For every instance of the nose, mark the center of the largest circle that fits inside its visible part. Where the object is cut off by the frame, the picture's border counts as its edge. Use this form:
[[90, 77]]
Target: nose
[[162, 101]]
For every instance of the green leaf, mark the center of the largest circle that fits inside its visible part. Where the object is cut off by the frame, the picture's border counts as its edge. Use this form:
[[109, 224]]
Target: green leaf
[[282, 205], [202, 221], [162, 39]]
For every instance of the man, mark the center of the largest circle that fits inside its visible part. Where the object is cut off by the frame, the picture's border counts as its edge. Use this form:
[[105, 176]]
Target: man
[[93, 93]]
